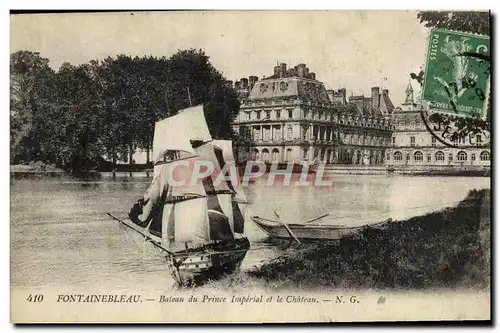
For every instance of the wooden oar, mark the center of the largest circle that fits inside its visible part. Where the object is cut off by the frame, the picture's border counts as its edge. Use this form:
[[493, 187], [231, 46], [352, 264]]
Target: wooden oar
[[287, 228], [317, 218]]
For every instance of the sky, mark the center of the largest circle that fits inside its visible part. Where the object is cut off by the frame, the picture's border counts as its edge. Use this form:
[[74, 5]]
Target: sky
[[355, 50]]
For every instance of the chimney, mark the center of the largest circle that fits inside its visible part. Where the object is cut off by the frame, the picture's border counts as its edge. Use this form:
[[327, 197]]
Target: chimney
[[237, 85], [306, 72], [312, 76], [343, 93], [292, 72], [375, 97], [282, 69], [252, 80], [276, 70], [386, 92], [301, 69], [330, 94], [244, 83], [229, 83]]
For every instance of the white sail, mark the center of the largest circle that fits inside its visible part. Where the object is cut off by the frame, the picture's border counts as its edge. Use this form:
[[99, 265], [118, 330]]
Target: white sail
[[227, 153], [167, 138], [176, 132], [207, 153], [191, 221], [192, 120], [227, 149]]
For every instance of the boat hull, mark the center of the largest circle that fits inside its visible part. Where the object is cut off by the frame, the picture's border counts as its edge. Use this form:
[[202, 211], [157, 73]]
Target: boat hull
[[304, 231], [197, 265], [213, 262]]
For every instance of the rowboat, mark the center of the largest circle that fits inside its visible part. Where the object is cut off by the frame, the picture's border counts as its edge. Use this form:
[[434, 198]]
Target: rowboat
[[306, 231]]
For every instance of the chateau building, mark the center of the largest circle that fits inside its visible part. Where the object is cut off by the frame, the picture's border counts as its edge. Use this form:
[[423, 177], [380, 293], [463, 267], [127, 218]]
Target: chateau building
[[413, 144], [290, 116]]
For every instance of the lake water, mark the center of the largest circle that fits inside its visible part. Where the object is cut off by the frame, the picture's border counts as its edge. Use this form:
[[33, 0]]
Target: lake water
[[61, 235]]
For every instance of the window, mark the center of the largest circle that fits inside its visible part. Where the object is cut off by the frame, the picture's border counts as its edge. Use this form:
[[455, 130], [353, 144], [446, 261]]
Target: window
[[439, 156], [484, 156], [266, 133], [473, 157], [417, 120], [278, 114], [398, 156], [249, 115], [268, 114], [306, 114], [408, 157], [388, 157], [429, 157], [412, 141], [462, 156], [479, 139], [433, 141], [393, 140], [450, 157], [290, 113], [290, 132], [418, 156], [258, 114]]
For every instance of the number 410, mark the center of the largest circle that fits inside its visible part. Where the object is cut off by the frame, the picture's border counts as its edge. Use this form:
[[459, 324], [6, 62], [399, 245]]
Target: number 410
[[35, 298]]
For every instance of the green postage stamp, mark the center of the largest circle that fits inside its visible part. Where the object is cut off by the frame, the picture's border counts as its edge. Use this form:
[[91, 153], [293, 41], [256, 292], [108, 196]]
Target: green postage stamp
[[457, 75]]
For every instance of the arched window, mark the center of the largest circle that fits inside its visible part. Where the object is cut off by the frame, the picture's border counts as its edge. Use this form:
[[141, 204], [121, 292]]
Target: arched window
[[473, 157], [275, 155], [439, 156], [398, 156], [484, 156], [265, 155], [255, 154], [462, 156], [418, 156]]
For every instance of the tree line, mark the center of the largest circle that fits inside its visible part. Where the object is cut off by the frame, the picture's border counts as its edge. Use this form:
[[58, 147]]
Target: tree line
[[73, 117]]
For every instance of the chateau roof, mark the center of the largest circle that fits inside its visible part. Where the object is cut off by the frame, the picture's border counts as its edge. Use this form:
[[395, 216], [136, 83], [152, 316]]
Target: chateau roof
[[289, 86]]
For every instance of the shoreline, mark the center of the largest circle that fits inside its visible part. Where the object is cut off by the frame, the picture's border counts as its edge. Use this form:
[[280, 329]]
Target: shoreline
[[452, 172], [445, 249]]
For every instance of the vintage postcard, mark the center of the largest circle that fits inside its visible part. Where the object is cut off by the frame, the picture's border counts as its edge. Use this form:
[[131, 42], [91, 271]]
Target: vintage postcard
[[250, 166]]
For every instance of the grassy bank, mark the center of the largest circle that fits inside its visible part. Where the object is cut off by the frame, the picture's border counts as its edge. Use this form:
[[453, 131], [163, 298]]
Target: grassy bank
[[446, 249]]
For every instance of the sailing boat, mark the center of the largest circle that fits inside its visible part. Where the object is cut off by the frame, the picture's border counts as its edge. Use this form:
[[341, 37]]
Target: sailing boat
[[199, 226]]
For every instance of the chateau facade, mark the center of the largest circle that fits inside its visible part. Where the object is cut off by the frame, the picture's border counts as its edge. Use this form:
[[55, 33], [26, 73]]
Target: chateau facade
[[291, 116], [413, 144]]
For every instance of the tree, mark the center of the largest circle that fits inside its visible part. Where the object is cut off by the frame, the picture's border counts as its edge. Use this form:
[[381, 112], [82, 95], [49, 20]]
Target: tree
[[191, 70], [109, 107], [68, 130], [31, 81], [474, 22]]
